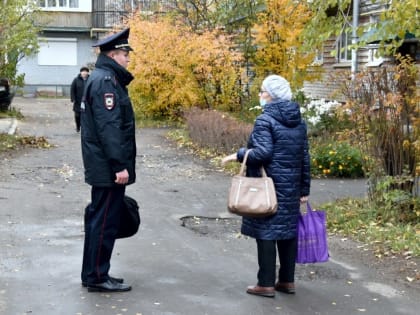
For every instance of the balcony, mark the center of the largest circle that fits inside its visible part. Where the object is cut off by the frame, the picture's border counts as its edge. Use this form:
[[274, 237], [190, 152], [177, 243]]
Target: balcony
[[109, 13], [104, 15], [108, 19], [65, 21]]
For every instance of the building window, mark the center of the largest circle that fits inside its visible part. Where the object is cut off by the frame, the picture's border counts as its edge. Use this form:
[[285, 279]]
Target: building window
[[409, 48], [344, 42], [58, 3], [74, 3], [374, 58], [319, 57]]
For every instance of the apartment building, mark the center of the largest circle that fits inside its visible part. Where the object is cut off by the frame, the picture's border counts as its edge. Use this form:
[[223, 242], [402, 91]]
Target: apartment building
[[368, 12], [69, 28]]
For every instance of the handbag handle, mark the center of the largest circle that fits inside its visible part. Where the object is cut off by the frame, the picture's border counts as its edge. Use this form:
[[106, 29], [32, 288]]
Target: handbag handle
[[243, 165]]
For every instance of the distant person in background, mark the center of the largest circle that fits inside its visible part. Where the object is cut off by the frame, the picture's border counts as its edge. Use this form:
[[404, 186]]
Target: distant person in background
[[76, 93]]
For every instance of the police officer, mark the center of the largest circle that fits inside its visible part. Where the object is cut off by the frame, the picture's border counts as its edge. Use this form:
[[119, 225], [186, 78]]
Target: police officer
[[109, 152]]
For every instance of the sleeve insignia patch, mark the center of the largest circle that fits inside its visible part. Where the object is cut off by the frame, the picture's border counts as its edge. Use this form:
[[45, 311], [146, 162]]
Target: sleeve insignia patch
[[109, 101]]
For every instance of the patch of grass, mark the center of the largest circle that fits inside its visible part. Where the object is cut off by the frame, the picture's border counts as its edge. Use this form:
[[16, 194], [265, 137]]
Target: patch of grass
[[8, 142], [181, 136], [358, 219], [155, 123], [13, 112]]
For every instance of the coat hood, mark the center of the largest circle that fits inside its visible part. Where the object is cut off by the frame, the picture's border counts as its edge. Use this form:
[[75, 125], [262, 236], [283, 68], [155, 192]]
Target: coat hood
[[285, 112]]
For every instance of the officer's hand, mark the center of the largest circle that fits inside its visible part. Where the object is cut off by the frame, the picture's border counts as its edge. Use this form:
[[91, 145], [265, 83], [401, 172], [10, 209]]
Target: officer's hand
[[121, 177]]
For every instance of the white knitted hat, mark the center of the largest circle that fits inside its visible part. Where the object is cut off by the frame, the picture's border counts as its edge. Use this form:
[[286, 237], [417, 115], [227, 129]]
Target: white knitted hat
[[277, 87]]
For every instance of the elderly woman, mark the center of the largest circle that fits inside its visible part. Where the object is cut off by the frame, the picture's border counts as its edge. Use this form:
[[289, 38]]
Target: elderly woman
[[279, 143]]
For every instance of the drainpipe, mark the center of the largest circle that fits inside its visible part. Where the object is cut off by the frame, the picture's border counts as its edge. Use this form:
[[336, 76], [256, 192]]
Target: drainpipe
[[354, 38]]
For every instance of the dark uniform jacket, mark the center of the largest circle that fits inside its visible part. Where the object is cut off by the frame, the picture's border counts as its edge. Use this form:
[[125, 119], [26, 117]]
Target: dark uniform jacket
[[279, 143], [76, 92], [108, 125]]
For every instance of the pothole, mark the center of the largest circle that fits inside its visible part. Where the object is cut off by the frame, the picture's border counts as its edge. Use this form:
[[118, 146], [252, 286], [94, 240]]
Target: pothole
[[230, 228], [218, 228]]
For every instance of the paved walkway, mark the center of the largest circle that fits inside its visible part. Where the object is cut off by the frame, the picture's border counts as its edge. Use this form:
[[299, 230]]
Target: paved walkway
[[173, 270]]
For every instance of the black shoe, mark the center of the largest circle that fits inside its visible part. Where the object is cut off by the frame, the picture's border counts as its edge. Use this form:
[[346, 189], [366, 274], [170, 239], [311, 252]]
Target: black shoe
[[108, 286], [117, 280]]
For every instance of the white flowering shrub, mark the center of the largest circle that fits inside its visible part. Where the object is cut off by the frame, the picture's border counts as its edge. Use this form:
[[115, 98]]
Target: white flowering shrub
[[321, 115], [315, 110]]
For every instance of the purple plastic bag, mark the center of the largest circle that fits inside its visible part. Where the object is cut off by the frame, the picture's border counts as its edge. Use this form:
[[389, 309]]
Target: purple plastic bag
[[312, 237]]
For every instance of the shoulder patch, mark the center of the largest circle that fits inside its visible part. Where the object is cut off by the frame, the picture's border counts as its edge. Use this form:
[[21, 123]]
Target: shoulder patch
[[109, 101]]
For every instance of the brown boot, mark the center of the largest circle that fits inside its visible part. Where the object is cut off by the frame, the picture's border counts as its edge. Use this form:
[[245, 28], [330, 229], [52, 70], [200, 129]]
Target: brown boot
[[285, 287], [261, 291]]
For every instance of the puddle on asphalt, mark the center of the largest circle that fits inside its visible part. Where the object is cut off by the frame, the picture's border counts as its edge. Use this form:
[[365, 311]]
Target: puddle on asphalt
[[217, 228]]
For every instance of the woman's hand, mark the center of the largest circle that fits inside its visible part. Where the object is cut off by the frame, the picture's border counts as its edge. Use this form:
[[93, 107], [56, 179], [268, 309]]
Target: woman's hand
[[229, 158], [304, 199]]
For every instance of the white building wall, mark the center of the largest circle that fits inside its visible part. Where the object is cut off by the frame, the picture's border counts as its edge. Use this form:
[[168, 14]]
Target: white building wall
[[57, 66]]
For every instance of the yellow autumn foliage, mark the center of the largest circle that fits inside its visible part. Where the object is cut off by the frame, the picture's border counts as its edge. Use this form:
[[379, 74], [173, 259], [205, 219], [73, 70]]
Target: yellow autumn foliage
[[175, 69], [279, 42]]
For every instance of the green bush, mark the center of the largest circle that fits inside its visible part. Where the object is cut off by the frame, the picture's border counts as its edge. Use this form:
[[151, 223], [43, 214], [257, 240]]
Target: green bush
[[338, 159], [392, 196]]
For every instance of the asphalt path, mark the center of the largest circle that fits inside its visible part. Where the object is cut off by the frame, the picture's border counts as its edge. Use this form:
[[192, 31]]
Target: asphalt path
[[173, 268]]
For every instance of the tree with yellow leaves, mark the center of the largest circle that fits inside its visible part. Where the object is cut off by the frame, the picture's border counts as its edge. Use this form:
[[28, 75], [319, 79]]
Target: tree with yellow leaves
[[279, 42], [175, 68]]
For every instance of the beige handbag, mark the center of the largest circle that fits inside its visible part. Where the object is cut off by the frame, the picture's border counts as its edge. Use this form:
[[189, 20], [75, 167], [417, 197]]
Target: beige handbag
[[252, 196]]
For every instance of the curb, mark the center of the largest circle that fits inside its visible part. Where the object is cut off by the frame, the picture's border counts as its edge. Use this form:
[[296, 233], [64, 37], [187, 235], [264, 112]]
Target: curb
[[8, 125], [13, 126]]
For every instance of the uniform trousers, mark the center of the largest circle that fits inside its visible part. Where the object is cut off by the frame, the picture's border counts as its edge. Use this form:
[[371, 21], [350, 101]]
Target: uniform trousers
[[267, 254], [102, 219]]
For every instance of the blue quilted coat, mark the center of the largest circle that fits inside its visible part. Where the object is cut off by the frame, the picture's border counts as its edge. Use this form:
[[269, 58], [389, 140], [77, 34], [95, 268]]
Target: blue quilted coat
[[279, 142]]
